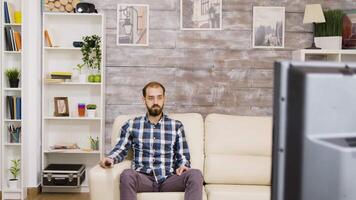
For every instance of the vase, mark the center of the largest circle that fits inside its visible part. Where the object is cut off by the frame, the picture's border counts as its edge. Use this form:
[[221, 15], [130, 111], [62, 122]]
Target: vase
[[91, 113], [82, 78], [13, 183], [331, 43], [14, 83]]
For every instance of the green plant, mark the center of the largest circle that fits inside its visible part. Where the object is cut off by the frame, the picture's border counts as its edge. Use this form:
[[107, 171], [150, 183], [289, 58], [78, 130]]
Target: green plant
[[332, 25], [13, 73], [79, 67], [91, 51], [15, 168], [91, 106], [94, 143]]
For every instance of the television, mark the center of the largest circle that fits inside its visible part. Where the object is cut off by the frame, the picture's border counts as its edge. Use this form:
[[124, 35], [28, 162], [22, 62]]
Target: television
[[314, 131]]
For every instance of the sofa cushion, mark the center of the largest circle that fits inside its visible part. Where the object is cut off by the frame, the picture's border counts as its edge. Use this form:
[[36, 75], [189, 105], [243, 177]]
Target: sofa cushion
[[238, 149], [241, 192], [242, 169], [164, 195], [194, 132]]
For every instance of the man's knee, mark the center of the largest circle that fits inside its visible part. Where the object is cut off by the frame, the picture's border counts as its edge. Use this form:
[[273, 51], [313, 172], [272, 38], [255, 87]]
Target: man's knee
[[127, 176], [195, 176]]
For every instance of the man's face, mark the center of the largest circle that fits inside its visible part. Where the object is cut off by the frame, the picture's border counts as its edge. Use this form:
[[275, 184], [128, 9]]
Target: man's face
[[154, 100]]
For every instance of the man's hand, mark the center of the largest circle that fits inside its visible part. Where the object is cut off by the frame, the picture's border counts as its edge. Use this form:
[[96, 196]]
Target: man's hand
[[181, 169], [106, 162]]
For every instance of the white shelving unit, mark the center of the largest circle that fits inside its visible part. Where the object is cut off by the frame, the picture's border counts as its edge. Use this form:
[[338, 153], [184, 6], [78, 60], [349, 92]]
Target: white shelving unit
[[324, 55], [64, 28], [9, 149]]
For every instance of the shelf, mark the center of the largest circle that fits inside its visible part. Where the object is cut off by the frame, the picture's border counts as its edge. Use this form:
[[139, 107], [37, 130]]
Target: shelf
[[12, 52], [71, 151], [12, 120], [73, 118], [12, 144], [74, 83], [12, 24], [62, 48], [71, 14], [322, 51], [12, 190], [12, 89]]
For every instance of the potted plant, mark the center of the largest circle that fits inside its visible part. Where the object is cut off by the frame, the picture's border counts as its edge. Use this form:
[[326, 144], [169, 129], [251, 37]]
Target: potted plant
[[13, 74], [328, 35], [15, 171], [91, 51], [91, 110]]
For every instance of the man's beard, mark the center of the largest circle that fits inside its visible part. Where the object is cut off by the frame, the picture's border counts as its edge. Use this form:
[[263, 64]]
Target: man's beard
[[155, 110]]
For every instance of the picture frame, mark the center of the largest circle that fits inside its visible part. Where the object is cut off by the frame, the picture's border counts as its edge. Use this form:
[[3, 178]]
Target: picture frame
[[268, 29], [349, 30], [61, 108], [132, 25], [201, 14]]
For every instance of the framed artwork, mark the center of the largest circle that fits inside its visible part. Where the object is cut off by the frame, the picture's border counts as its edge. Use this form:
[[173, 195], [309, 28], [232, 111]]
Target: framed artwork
[[132, 25], [61, 107], [200, 14], [349, 30], [268, 27]]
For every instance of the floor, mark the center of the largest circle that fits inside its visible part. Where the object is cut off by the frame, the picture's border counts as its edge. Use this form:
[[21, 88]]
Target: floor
[[53, 196]]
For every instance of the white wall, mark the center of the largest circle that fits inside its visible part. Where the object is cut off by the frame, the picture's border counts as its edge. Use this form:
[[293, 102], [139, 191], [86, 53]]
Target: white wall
[[31, 38]]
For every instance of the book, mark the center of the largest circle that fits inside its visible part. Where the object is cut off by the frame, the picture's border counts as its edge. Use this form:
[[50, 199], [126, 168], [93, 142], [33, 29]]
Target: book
[[18, 107], [48, 39], [12, 40], [11, 12], [18, 40], [6, 13], [7, 39], [10, 106]]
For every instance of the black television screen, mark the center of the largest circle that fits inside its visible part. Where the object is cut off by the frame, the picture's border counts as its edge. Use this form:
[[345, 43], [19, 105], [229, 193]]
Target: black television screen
[[314, 131]]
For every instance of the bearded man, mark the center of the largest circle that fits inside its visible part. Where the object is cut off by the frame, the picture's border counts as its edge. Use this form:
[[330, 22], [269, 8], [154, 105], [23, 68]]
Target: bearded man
[[161, 155]]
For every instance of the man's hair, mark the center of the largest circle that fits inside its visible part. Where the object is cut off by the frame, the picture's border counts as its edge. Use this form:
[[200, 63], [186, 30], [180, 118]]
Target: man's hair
[[152, 84]]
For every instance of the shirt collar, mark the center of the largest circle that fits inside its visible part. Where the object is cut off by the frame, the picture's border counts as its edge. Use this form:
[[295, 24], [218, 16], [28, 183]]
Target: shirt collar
[[159, 121]]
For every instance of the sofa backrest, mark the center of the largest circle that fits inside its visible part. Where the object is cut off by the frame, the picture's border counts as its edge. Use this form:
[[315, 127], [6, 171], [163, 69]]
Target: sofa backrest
[[194, 132], [238, 149]]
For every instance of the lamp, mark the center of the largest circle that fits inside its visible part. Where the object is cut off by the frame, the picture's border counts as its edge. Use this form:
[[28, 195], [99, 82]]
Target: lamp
[[313, 14], [127, 26]]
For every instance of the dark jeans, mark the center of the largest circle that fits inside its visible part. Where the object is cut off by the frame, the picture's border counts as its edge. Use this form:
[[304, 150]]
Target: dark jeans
[[190, 182]]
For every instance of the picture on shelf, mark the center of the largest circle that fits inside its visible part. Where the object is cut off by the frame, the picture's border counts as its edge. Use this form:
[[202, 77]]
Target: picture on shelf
[[132, 24], [61, 108], [349, 30], [200, 14], [268, 27]]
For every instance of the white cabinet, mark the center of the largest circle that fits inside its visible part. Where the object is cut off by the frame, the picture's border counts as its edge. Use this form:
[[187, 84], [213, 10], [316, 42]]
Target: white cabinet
[[12, 131], [324, 55], [63, 29]]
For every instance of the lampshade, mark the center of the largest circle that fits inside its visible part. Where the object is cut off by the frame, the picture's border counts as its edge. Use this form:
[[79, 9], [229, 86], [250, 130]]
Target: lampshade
[[313, 14]]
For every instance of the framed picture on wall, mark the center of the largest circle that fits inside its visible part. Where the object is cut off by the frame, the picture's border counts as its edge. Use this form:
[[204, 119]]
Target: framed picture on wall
[[268, 27], [200, 14], [132, 24], [349, 30], [61, 107]]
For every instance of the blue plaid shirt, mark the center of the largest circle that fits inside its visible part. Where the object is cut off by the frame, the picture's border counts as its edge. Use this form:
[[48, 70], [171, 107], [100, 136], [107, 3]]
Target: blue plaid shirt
[[158, 149]]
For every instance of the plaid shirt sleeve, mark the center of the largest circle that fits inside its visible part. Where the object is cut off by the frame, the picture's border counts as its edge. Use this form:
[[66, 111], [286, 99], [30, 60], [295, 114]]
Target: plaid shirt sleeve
[[123, 145], [181, 151]]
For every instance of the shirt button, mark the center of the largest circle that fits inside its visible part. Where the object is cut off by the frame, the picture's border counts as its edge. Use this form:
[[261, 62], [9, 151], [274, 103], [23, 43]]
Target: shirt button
[[153, 159], [154, 138]]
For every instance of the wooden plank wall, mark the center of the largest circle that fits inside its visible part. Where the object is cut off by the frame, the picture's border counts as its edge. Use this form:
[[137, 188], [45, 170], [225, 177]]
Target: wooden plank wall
[[203, 71]]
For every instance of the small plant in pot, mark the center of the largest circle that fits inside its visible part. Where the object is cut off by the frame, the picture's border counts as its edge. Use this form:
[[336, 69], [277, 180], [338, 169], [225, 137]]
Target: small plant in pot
[[13, 74], [81, 76], [91, 110], [15, 172], [91, 51]]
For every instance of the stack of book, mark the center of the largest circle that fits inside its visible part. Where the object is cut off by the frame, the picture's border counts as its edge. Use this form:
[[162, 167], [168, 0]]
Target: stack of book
[[12, 37], [14, 106], [61, 75]]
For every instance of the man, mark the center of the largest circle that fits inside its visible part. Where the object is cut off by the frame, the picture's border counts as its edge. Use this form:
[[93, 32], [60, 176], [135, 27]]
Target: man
[[161, 157]]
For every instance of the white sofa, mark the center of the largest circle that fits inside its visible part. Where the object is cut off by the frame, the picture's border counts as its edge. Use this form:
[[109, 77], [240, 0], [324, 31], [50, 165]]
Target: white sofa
[[233, 153]]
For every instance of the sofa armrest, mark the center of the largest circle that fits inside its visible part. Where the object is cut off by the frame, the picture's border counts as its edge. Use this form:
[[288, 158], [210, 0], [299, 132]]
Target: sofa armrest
[[104, 183]]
